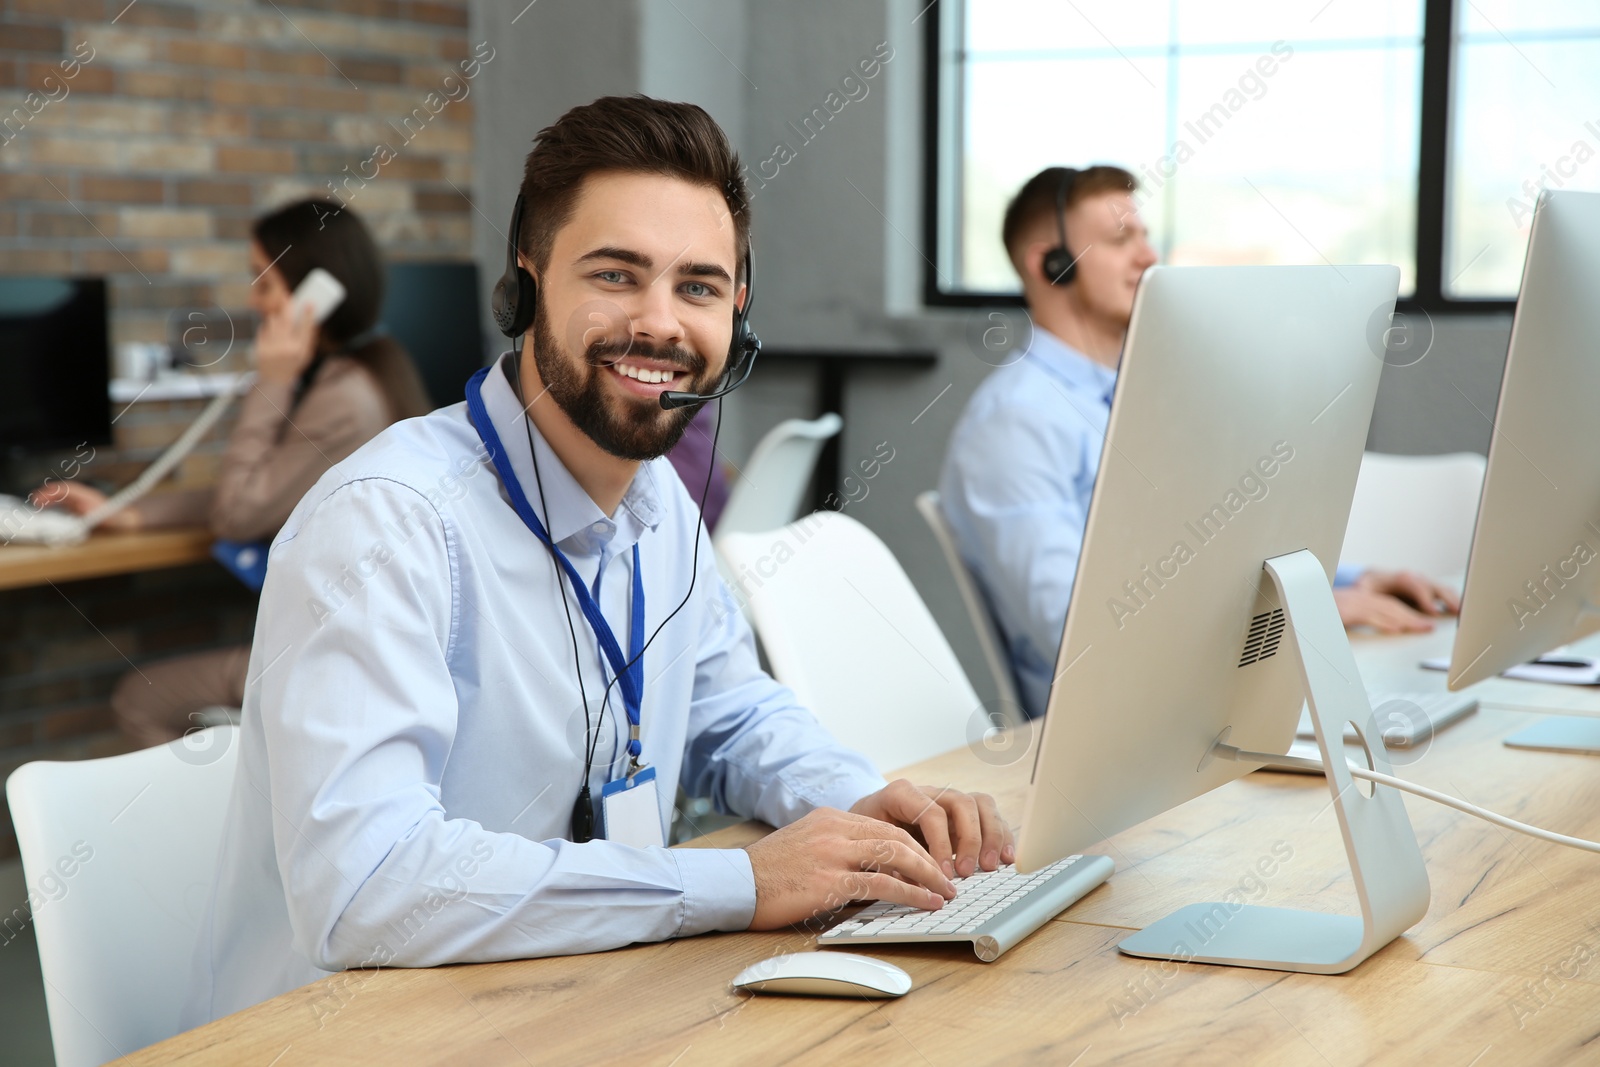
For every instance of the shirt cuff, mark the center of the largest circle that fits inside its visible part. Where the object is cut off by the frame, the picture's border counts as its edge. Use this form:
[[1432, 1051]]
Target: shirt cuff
[[844, 791], [719, 889], [841, 788], [1346, 574]]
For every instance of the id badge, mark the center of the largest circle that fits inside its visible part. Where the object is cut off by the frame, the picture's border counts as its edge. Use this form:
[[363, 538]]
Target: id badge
[[631, 810]]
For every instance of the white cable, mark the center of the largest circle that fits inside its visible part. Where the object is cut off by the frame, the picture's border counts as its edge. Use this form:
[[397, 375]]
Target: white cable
[[174, 454], [1356, 771]]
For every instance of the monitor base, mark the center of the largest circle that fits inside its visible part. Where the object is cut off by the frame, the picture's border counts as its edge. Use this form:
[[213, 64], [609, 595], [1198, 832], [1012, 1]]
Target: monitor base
[[1386, 864], [1244, 935], [1560, 733]]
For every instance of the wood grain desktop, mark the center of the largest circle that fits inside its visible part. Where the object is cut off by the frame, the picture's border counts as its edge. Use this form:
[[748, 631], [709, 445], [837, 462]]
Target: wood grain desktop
[[1505, 968], [103, 554]]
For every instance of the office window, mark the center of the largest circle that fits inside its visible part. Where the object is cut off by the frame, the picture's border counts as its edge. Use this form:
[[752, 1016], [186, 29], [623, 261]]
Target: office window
[[1526, 113], [1267, 131]]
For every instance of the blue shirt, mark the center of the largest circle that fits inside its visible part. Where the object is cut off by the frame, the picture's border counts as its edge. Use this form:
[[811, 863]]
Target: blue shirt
[[1016, 487], [412, 733]]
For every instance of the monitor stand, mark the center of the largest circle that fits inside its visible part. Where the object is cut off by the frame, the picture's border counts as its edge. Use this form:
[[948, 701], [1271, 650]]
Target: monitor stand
[[1391, 880]]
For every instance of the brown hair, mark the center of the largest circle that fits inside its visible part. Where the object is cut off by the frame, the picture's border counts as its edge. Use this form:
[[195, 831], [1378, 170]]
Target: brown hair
[[327, 234], [1036, 200], [625, 133]]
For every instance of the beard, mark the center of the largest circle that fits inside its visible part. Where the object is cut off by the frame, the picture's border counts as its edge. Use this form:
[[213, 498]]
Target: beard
[[632, 428]]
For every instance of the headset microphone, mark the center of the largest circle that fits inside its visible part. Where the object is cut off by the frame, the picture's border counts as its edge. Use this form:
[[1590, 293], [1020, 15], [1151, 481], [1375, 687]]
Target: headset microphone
[[672, 399], [742, 350]]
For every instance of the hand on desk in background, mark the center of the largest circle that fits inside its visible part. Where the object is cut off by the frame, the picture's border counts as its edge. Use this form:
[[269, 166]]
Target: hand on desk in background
[[828, 858], [1395, 602], [81, 499], [285, 343]]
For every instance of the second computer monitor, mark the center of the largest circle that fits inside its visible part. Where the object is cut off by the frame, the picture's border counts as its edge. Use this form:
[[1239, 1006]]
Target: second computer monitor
[[1535, 565], [54, 363], [1236, 434]]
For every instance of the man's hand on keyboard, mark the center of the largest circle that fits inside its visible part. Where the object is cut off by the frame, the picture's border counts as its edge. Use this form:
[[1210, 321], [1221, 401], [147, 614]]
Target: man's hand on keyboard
[[962, 831], [829, 858]]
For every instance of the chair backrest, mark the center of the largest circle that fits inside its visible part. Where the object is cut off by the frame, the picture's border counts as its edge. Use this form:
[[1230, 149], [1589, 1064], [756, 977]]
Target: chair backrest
[[843, 626], [768, 491], [119, 854], [989, 640], [1414, 513]]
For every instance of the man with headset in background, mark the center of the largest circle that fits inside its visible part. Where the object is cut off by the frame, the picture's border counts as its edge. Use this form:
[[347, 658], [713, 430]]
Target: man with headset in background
[[1022, 460], [446, 755]]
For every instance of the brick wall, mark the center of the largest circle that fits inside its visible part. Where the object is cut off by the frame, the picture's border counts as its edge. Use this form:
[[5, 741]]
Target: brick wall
[[138, 141]]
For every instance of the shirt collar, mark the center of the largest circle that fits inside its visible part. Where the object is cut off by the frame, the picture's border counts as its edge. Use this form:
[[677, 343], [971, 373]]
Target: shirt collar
[[1072, 366], [572, 511]]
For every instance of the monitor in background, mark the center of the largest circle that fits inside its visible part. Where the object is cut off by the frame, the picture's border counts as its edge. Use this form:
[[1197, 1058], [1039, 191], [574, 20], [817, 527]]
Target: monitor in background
[[1203, 610], [1534, 570], [55, 363], [1534, 573], [433, 310]]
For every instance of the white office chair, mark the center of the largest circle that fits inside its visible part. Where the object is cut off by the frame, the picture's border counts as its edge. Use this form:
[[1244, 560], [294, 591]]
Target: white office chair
[[768, 492], [843, 626], [121, 852], [1414, 513], [989, 640]]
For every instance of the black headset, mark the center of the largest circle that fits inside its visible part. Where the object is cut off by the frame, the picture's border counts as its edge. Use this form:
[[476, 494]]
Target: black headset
[[1060, 266], [516, 295]]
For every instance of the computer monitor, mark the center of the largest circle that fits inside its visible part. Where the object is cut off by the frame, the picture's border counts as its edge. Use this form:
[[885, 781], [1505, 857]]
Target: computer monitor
[[433, 310], [1203, 610], [55, 361], [1534, 572]]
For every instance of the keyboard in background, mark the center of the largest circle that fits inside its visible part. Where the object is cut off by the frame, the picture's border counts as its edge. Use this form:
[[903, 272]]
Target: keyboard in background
[[993, 909], [23, 524], [1405, 719]]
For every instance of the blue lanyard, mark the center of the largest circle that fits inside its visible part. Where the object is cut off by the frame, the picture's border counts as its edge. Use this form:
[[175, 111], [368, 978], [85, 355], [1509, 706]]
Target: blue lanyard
[[630, 671]]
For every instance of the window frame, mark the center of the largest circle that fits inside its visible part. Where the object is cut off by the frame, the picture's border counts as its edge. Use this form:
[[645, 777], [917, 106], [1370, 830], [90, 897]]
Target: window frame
[[1433, 172]]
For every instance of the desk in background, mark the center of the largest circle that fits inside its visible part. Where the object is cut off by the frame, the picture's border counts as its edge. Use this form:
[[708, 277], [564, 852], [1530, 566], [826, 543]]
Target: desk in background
[[103, 554], [1504, 969]]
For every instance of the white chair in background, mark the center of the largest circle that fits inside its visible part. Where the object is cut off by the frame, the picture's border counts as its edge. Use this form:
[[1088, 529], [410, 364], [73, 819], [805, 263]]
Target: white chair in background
[[1415, 513], [989, 640], [121, 853], [843, 627], [768, 492]]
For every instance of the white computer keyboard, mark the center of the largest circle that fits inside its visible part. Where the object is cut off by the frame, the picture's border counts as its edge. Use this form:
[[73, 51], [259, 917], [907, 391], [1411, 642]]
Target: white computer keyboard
[[22, 523], [1405, 719], [993, 909]]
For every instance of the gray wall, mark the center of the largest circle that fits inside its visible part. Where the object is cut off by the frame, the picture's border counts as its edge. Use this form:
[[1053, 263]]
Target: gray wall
[[838, 232]]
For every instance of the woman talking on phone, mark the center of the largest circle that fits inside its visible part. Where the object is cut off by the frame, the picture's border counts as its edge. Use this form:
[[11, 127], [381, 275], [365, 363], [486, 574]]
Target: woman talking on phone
[[320, 393]]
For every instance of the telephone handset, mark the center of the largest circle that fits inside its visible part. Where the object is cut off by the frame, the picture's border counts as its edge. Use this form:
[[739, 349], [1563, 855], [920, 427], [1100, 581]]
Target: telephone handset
[[319, 291]]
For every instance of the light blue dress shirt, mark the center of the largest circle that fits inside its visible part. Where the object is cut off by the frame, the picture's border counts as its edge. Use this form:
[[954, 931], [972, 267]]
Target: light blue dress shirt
[[412, 733], [1015, 488]]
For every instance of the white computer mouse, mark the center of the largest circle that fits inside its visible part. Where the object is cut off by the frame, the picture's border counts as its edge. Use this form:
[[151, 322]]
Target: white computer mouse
[[825, 974]]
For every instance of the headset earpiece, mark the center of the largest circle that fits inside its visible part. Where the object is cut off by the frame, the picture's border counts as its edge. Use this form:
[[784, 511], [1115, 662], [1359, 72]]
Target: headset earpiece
[[1060, 267], [516, 294], [744, 346]]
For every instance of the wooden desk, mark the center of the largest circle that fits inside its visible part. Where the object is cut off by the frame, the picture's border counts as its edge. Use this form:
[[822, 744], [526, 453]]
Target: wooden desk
[[1392, 663], [1504, 969], [103, 554]]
